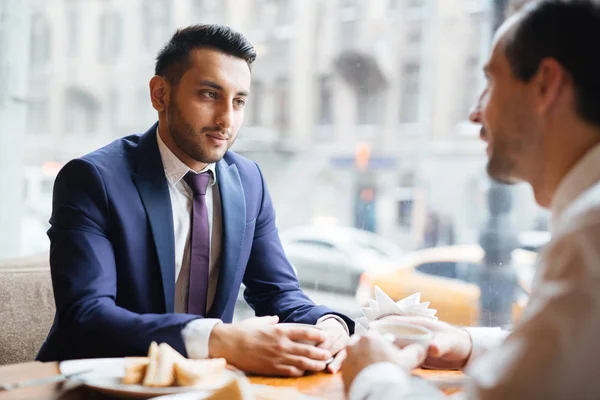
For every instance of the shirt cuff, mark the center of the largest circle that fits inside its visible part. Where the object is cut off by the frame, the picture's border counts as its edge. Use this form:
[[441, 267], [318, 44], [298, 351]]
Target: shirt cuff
[[338, 319], [387, 380], [482, 340], [196, 335]]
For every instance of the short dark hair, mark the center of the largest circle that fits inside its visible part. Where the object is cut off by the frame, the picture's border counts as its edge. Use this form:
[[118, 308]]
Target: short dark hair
[[173, 59], [566, 31]]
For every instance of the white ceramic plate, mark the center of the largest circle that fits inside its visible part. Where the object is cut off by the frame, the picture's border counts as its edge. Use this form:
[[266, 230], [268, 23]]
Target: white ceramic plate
[[194, 396], [107, 373]]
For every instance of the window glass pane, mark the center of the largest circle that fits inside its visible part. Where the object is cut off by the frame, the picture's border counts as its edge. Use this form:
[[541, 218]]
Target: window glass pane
[[410, 93], [357, 117]]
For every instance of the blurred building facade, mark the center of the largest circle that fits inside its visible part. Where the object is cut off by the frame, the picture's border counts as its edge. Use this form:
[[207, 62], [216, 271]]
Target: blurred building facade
[[357, 114]]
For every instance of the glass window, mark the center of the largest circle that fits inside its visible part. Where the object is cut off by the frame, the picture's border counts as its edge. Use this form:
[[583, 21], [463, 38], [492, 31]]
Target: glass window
[[111, 25], [282, 104], [255, 103], [324, 108], [208, 11], [285, 12], [369, 105], [348, 34], [156, 23], [41, 39], [336, 90], [38, 118], [471, 87], [415, 33], [81, 112], [73, 29], [410, 81], [115, 103]]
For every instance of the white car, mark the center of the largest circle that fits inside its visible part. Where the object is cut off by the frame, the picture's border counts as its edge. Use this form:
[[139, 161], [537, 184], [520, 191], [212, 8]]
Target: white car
[[329, 261], [332, 259]]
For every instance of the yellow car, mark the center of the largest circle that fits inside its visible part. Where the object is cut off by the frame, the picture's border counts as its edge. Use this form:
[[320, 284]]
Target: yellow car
[[445, 276]]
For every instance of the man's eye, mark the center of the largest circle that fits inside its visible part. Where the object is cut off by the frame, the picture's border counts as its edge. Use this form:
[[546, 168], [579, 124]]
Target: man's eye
[[240, 102], [212, 95]]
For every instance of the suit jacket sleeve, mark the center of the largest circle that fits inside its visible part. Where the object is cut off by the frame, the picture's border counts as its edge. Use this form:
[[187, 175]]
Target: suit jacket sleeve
[[84, 274], [272, 287]]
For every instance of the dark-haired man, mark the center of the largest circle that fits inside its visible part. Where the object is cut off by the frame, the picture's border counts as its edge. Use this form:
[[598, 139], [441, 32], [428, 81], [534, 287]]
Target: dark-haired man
[[152, 235], [540, 113]]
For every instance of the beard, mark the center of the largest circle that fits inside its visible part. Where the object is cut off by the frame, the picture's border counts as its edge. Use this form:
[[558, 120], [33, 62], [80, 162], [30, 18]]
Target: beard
[[500, 170], [503, 163], [189, 140]]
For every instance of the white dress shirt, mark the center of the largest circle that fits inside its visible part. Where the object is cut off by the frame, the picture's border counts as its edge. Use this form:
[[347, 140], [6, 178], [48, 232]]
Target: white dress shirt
[[196, 334], [554, 352]]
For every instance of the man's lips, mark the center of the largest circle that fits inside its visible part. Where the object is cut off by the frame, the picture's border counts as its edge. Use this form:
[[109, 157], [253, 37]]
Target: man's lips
[[217, 137], [483, 134]]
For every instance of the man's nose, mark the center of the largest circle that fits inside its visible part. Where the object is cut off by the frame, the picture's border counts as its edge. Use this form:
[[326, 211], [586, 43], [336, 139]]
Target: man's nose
[[224, 117], [475, 114]]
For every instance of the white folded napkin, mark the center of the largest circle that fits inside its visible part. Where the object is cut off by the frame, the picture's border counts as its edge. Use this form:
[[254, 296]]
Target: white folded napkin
[[383, 305]]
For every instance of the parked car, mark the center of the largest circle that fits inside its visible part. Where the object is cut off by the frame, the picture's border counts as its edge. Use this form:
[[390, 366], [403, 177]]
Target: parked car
[[332, 258], [446, 277], [329, 261]]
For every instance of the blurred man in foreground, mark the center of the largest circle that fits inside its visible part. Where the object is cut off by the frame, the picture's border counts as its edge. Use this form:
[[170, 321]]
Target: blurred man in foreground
[[540, 113]]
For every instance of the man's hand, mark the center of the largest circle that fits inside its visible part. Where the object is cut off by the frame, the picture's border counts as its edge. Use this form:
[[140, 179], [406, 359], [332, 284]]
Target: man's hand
[[373, 348], [259, 346], [450, 347], [336, 342]]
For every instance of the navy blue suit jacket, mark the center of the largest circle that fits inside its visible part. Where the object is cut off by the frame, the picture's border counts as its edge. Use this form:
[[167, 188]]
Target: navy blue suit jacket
[[112, 253]]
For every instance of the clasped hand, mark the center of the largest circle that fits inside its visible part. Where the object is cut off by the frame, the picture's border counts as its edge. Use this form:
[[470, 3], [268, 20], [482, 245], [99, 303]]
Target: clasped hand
[[262, 346]]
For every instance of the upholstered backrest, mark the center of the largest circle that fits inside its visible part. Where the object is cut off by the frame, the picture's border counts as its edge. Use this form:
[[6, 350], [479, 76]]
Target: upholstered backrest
[[26, 308]]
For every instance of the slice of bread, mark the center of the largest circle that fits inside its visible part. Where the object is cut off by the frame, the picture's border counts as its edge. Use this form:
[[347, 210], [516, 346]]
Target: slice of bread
[[152, 364], [165, 375], [135, 369], [195, 372]]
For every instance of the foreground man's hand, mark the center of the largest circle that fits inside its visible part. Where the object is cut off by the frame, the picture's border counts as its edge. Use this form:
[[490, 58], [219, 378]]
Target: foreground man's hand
[[373, 348], [336, 342], [451, 346], [259, 346]]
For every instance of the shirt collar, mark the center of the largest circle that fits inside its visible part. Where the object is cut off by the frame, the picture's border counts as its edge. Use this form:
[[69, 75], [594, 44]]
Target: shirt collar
[[581, 177], [175, 169]]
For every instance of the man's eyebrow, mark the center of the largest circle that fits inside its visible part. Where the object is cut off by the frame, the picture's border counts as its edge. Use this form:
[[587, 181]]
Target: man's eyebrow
[[216, 86], [211, 84]]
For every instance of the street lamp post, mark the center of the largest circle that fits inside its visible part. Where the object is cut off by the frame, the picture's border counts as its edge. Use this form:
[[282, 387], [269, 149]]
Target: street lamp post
[[497, 280]]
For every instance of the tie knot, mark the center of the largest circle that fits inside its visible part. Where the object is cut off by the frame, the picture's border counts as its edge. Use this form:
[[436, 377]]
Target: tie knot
[[197, 182]]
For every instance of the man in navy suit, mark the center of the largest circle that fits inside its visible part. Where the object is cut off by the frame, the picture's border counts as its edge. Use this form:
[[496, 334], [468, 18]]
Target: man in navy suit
[[152, 235]]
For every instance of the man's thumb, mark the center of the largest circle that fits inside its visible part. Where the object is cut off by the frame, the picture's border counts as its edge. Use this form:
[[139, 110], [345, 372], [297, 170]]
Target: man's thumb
[[438, 347]]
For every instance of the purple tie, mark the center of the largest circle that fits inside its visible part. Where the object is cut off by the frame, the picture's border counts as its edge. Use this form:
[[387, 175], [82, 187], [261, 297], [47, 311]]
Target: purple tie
[[199, 244]]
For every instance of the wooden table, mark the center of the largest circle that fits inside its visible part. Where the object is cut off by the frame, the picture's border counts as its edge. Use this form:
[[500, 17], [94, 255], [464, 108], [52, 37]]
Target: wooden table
[[320, 385]]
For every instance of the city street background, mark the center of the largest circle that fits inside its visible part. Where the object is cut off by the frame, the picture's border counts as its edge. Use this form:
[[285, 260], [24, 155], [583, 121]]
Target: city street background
[[357, 117]]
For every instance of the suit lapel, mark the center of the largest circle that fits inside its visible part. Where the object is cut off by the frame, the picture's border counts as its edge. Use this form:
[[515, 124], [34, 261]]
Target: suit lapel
[[149, 177], [233, 210]]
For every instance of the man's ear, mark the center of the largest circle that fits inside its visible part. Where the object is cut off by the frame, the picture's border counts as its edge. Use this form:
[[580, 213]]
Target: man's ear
[[549, 79], [159, 93]]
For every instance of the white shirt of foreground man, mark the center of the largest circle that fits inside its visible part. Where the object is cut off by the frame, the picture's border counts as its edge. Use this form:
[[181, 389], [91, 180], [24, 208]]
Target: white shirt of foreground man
[[553, 354], [542, 124]]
